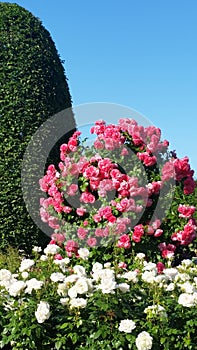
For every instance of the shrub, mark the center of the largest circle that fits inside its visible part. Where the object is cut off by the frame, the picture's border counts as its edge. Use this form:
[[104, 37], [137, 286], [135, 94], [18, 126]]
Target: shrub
[[33, 87]]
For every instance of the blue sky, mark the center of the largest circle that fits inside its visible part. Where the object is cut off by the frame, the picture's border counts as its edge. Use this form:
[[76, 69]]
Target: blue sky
[[138, 53]]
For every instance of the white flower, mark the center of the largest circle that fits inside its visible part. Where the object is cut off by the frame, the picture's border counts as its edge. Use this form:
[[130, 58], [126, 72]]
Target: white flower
[[156, 310], [43, 312], [170, 272], [107, 265], [16, 287], [126, 326], [51, 249], [124, 287], [64, 301], [81, 285], [140, 256], [83, 253], [62, 289], [72, 292], [170, 287], [97, 266], [149, 266], [182, 277], [57, 277], [186, 262], [78, 302], [24, 275], [149, 276], [26, 264], [187, 287], [144, 341], [37, 249], [131, 276], [79, 270], [5, 275], [33, 283], [107, 285], [62, 263], [43, 257], [187, 300]]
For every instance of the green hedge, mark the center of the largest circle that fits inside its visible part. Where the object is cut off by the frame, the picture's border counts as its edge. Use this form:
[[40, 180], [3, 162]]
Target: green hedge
[[33, 87]]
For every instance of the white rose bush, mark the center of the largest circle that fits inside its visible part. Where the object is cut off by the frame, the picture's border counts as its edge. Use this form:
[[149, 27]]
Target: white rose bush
[[120, 269]]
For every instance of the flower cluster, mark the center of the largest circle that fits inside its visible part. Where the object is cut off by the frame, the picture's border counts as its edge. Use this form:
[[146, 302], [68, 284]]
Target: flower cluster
[[106, 300], [118, 190]]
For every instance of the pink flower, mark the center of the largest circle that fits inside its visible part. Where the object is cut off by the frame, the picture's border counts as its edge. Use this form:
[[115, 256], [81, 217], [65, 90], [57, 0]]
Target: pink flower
[[80, 211], [122, 265], [87, 197], [124, 242], [91, 172], [138, 233], [182, 168], [124, 152], [158, 233], [154, 187], [92, 242], [186, 211], [82, 233], [71, 191], [168, 171], [53, 222], [58, 237], [58, 257], [189, 186], [160, 267], [67, 209], [167, 250], [71, 247]]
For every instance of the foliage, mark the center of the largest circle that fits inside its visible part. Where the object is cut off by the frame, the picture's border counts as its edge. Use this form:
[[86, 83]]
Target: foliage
[[91, 304], [33, 87]]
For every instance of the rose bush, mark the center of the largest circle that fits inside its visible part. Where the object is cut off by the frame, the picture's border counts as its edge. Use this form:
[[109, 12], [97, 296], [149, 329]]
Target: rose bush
[[56, 302], [120, 192]]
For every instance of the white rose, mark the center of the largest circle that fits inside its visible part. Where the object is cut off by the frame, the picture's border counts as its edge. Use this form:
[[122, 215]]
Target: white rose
[[64, 301], [78, 302], [33, 283], [57, 277], [43, 257], [149, 276], [72, 292], [81, 286], [16, 287], [24, 275], [51, 249], [126, 326], [140, 256], [43, 312], [124, 287], [144, 341], [26, 264], [107, 285], [5, 275], [83, 253], [187, 300], [37, 249], [187, 287], [156, 310], [97, 266], [131, 276], [79, 270], [170, 272]]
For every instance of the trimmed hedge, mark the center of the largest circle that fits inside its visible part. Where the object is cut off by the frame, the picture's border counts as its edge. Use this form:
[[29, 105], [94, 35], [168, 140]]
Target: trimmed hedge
[[33, 87]]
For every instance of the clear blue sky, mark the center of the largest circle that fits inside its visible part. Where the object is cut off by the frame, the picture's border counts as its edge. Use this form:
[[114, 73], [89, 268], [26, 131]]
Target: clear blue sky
[[137, 53]]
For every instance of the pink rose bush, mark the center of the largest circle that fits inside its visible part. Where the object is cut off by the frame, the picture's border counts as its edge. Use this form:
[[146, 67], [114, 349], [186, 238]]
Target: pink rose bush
[[119, 193]]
